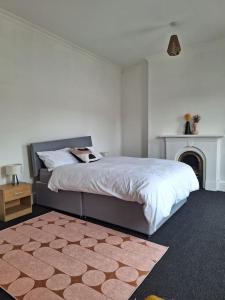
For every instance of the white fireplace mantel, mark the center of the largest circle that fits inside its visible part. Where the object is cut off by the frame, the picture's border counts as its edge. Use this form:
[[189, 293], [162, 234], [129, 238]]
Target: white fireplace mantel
[[215, 136], [208, 146]]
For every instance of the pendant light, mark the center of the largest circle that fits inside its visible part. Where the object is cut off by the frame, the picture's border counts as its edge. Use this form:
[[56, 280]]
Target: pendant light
[[174, 47]]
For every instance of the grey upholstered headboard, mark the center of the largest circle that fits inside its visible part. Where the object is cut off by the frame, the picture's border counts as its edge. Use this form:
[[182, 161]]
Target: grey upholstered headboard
[[84, 141]]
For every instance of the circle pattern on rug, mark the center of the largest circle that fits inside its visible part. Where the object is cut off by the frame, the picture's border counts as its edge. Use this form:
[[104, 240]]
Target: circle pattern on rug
[[61, 222], [58, 244], [58, 282], [127, 274], [88, 242], [5, 248], [93, 278], [114, 240], [31, 246], [39, 224]]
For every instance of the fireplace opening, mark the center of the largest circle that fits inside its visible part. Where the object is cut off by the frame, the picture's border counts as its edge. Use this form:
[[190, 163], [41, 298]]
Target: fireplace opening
[[194, 160]]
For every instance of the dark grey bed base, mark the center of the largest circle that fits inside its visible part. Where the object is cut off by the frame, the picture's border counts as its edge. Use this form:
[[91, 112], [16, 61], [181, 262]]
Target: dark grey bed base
[[70, 202], [105, 208]]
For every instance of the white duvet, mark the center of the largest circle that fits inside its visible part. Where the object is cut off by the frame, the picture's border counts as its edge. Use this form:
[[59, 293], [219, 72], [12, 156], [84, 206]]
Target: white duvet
[[156, 183]]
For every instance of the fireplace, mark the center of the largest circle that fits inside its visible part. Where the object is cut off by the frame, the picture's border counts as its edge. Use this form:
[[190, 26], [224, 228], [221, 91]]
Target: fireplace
[[194, 160], [207, 161]]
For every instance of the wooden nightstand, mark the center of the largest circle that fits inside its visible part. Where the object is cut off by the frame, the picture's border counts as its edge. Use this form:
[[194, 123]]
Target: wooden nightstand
[[15, 201]]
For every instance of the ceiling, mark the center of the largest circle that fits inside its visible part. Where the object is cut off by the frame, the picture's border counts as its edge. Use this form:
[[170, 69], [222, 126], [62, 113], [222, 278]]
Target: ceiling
[[124, 31]]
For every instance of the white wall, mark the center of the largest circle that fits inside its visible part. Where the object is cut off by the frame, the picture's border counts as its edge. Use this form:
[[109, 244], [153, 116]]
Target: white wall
[[135, 110], [192, 82], [49, 90]]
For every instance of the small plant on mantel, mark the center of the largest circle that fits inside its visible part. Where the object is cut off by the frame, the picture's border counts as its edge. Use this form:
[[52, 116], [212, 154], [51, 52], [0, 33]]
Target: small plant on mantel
[[196, 120]]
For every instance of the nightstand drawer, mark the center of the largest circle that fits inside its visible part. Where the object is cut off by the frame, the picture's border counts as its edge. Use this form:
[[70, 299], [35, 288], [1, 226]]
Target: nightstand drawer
[[17, 192]]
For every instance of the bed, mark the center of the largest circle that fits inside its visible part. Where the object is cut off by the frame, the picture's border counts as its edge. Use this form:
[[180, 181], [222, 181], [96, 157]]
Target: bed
[[98, 203]]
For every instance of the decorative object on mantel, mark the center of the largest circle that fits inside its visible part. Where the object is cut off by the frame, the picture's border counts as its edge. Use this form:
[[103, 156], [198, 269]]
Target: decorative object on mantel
[[188, 118], [196, 119]]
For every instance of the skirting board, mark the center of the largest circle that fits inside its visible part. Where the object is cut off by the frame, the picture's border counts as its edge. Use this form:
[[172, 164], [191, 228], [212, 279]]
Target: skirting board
[[222, 186], [215, 186]]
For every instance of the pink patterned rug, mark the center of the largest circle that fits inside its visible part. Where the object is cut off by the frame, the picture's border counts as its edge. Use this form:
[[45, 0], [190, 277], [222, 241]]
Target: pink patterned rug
[[55, 257]]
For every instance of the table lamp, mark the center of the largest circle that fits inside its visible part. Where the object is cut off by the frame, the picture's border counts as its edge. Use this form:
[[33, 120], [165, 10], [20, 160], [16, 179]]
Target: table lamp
[[13, 170]]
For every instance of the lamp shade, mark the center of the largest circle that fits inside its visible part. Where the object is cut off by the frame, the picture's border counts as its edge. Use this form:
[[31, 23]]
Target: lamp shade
[[14, 169]]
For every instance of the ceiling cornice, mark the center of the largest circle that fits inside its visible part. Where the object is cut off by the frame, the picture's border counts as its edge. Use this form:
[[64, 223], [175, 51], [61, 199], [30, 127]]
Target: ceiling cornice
[[21, 21]]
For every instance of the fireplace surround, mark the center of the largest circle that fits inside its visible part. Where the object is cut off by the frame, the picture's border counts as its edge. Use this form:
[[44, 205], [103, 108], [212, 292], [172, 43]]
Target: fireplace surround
[[205, 150]]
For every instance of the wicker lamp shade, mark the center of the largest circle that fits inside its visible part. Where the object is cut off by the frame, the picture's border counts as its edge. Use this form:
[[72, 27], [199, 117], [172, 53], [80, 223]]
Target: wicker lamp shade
[[174, 47]]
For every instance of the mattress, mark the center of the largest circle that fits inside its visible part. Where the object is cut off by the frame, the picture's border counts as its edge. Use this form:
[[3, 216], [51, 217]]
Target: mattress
[[44, 175]]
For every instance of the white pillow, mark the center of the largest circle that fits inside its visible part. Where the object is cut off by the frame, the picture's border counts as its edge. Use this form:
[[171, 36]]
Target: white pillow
[[53, 159]]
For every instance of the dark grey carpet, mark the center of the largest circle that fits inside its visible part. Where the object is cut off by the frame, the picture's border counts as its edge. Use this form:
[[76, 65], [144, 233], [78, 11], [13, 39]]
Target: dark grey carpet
[[194, 266]]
